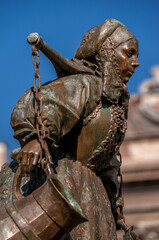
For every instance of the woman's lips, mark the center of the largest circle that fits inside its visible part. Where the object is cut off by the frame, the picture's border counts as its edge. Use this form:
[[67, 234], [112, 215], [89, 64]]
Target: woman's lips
[[127, 75], [130, 73]]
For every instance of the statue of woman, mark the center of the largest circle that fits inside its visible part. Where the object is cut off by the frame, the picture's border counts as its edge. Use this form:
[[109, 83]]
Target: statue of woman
[[84, 115]]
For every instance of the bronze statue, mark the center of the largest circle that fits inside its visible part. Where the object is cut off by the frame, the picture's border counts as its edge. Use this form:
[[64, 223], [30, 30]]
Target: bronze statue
[[81, 124]]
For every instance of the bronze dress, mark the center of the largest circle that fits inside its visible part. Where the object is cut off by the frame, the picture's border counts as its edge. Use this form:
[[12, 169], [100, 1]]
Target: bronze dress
[[84, 114], [84, 131]]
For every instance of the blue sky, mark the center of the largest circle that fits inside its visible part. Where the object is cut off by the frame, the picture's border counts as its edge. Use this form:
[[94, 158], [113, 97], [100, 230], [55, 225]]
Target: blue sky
[[62, 24]]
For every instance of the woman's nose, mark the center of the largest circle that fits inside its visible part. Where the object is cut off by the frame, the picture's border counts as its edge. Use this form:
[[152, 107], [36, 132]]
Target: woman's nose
[[135, 63]]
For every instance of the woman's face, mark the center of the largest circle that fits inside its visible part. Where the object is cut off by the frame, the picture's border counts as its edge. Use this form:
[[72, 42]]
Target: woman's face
[[126, 56]]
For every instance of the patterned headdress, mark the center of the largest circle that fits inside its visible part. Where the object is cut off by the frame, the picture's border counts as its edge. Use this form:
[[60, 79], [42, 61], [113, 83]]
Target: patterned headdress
[[94, 38]]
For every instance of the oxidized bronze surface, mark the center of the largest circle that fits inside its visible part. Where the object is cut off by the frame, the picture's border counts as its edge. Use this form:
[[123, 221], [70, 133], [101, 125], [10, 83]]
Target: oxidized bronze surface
[[37, 216], [73, 127]]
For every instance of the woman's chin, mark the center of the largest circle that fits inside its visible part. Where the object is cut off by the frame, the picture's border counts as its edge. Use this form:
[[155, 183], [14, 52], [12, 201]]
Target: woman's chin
[[125, 80]]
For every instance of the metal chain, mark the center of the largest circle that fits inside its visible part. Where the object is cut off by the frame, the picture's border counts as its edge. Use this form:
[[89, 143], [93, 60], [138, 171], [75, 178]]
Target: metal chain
[[119, 210], [38, 108], [120, 196]]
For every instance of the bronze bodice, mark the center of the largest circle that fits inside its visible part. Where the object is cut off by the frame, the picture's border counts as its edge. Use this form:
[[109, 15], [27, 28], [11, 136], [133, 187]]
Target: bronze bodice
[[101, 136]]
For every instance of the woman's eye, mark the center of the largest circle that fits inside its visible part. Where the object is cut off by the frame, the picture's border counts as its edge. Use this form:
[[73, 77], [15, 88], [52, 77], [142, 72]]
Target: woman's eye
[[130, 53]]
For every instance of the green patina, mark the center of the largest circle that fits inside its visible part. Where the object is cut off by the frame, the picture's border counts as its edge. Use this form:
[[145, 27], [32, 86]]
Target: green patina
[[67, 167], [99, 135], [68, 114], [100, 148], [106, 110], [127, 236], [14, 213], [72, 201]]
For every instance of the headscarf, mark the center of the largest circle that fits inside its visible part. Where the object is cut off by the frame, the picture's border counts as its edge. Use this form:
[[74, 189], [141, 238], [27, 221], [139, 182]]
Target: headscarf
[[94, 38], [95, 56], [97, 48]]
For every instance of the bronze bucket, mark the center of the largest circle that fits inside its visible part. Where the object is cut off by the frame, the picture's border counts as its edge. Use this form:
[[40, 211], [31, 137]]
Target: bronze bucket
[[48, 213]]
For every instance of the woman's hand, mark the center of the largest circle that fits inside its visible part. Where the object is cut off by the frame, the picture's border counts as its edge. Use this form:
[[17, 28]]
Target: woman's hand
[[30, 155]]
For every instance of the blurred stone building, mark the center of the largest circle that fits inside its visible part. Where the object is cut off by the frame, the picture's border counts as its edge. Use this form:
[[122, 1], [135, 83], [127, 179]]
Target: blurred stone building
[[3, 153], [140, 153]]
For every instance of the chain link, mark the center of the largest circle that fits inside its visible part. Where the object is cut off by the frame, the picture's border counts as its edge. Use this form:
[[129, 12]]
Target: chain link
[[38, 109], [120, 196]]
